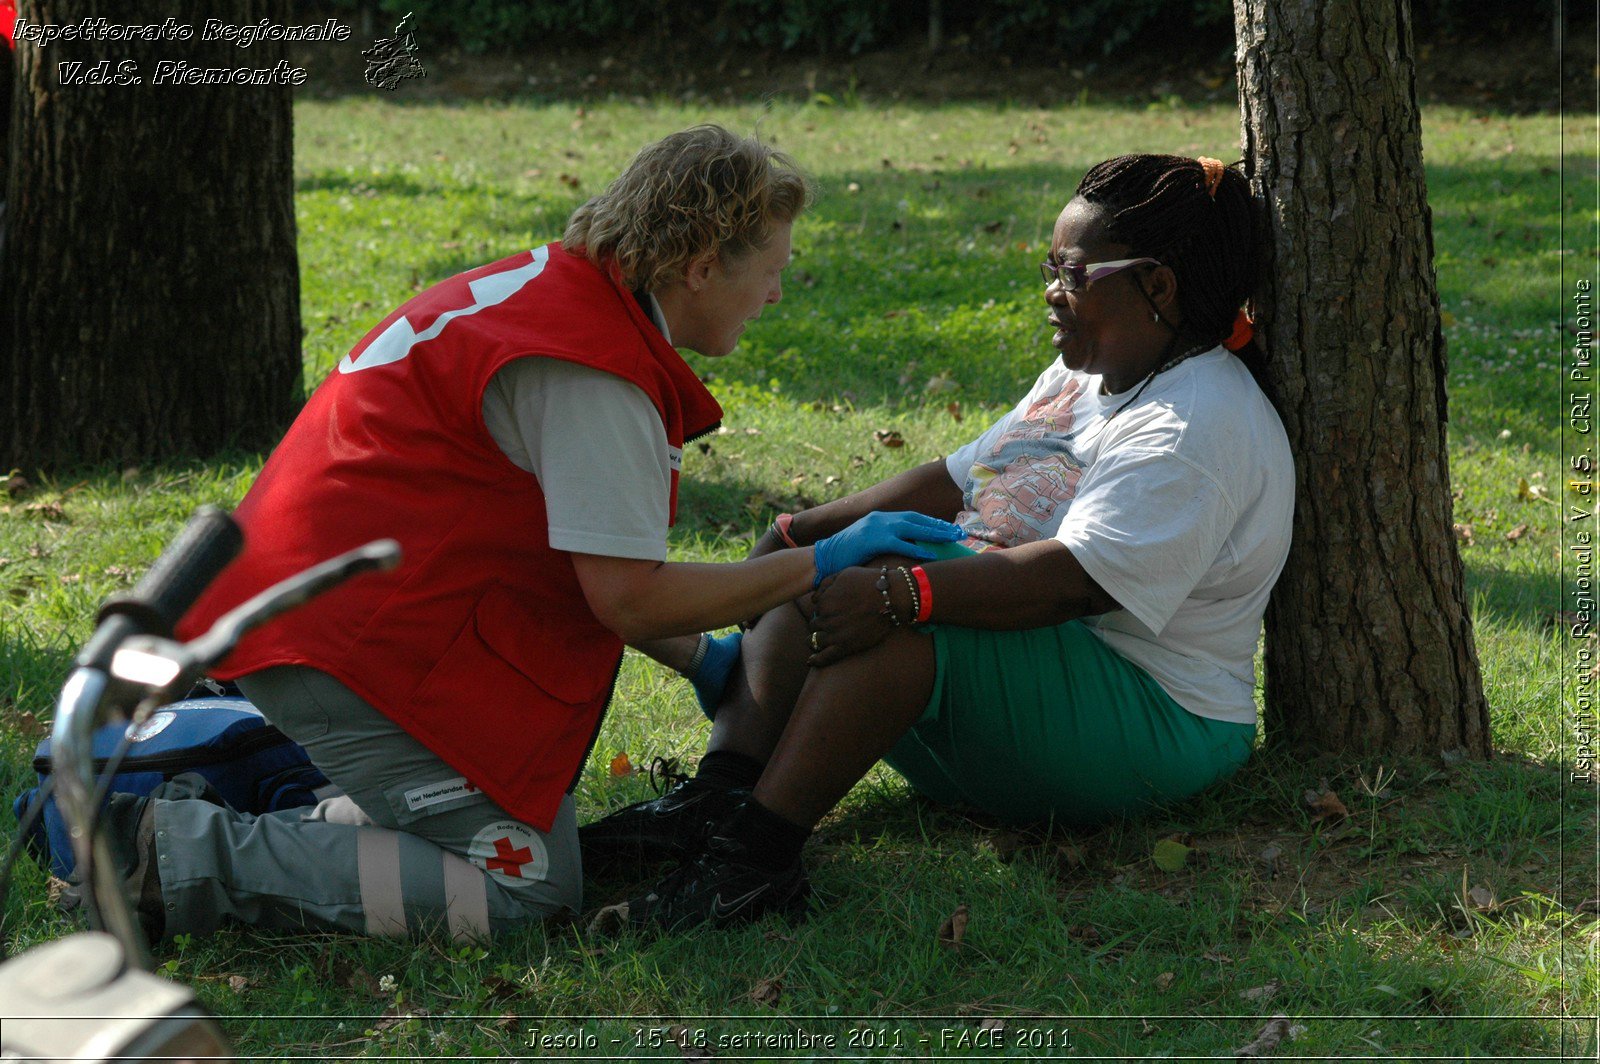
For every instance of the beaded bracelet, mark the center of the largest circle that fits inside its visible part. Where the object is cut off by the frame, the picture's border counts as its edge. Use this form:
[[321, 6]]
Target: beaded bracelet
[[911, 586], [888, 603], [781, 527]]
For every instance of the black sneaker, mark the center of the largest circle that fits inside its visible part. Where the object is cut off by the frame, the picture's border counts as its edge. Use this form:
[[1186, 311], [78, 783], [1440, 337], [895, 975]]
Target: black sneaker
[[716, 889], [673, 827]]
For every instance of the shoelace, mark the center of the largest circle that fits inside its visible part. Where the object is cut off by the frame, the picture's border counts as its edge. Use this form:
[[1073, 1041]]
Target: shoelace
[[665, 774]]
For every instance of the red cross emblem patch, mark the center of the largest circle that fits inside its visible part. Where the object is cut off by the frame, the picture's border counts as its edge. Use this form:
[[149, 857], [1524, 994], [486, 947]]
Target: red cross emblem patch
[[510, 850], [509, 859]]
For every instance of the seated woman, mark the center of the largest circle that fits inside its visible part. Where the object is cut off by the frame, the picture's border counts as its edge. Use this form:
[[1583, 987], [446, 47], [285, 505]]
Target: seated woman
[[1093, 654]]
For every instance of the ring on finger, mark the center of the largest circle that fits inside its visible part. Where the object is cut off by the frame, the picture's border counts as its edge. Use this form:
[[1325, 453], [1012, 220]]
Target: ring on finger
[[815, 645]]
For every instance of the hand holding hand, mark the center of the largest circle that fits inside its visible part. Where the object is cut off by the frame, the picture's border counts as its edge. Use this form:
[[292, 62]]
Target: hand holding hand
[[883, 533]]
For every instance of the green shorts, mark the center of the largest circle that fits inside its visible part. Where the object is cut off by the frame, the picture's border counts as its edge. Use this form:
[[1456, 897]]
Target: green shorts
[[1050, 723]]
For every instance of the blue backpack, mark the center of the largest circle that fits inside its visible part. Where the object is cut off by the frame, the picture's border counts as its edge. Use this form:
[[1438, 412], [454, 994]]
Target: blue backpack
[[252, 765]]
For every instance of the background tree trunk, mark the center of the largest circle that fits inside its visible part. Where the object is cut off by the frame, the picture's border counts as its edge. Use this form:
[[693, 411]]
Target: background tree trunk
[[1369, 642], [150, 268]]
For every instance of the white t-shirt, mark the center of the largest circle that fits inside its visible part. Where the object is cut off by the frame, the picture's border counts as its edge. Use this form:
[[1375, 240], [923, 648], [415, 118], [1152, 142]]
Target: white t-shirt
[[1179, 507], [597, 447]]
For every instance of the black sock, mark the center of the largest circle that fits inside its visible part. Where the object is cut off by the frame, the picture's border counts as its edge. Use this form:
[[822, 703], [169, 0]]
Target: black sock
[[768, 840], [726, 769]]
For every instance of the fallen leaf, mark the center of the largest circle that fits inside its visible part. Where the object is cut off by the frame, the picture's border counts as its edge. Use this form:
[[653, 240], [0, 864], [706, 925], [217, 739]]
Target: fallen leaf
[[1269, 856], [1324, 806], [954, 410], [1087, 934], [942, 383], [1261, 994], [991, 1023], [1069, 855], [1007, 843], [1164, 980], [499, 988], [610, 920], [621, 766], [1530, 492], [767, 992], [1213, 955], [238, 984], [889, 438], [570, 181], [1463, 532], [891, 314], [393, 1017], [1170, 854], [1516, 533], [29, 725], [1267, 1041], [48, 511], [1481, 899], [954, 929]]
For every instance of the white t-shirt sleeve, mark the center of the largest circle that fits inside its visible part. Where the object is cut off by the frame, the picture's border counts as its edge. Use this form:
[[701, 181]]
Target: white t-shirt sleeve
[[1147, 525], [598, 449]]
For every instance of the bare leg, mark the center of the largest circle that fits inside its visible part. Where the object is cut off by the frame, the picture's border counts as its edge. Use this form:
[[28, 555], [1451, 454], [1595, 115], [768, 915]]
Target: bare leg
[[847, 717], [762, 691]]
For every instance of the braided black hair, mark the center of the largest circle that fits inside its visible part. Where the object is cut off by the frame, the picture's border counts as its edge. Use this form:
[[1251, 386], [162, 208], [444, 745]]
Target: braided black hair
[[1158, 206]]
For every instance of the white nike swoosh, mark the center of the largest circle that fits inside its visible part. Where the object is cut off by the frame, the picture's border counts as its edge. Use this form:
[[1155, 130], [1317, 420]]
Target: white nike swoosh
[[721, 910]]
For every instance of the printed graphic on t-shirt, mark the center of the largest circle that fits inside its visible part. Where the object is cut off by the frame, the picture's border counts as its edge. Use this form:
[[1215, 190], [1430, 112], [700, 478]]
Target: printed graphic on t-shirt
[[1020, 491]]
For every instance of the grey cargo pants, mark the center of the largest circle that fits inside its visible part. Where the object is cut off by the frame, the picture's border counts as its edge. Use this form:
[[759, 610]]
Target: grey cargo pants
[[409, 845]]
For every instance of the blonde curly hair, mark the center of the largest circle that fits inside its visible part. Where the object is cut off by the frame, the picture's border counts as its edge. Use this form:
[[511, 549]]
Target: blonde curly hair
[[699, 190]]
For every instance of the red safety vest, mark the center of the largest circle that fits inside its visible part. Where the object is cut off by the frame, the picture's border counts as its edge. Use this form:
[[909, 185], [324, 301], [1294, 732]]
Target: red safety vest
[[481, 644]]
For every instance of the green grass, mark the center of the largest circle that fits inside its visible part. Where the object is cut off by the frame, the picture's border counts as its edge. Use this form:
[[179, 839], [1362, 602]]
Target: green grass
[[914, 289]]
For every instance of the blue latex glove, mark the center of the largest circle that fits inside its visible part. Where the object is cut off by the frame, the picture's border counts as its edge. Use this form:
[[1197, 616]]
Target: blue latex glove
[[711, 679], [883, 533]]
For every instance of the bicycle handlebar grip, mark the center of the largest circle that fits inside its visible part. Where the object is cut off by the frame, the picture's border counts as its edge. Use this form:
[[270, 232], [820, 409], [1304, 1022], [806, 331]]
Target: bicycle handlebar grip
[[202, 550]]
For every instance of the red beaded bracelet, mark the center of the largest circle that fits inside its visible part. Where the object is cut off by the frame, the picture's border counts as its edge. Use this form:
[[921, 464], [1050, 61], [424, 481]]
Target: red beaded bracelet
[[925, 590], [781, 527]]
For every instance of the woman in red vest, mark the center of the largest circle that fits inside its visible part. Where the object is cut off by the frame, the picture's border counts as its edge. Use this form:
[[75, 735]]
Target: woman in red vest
[[519, 429]]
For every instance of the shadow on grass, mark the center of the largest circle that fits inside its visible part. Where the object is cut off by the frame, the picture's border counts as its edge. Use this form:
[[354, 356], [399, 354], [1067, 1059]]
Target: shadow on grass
[[1411, 827], [951, 287], [1525, 597]]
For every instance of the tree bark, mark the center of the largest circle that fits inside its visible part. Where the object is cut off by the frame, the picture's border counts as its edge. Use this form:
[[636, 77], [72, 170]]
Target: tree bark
[[150, 266], [1369, 642]]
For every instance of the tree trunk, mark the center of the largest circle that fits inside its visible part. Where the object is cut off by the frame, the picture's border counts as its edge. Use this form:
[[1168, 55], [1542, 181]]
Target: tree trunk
[[149, 268], [1369, 642]]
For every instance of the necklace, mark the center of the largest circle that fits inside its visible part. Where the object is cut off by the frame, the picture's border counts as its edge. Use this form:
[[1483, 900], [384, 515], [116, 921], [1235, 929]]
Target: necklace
[[1168, 364]]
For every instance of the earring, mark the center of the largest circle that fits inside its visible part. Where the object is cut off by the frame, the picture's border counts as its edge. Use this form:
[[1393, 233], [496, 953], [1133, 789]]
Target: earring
[[1155, 316]]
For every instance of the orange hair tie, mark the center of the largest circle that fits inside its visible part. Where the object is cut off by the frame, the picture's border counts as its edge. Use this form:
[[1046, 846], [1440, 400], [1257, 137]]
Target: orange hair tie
[[1213, 169], [1244, 330]]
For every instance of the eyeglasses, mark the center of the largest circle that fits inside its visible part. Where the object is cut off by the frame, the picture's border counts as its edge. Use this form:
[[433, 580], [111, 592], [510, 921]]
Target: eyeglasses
[[1076, 276]]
